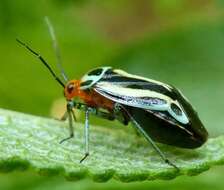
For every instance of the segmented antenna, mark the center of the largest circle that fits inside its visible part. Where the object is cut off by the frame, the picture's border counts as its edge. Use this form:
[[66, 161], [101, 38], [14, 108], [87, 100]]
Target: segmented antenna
[[56, 48], [43, 61]]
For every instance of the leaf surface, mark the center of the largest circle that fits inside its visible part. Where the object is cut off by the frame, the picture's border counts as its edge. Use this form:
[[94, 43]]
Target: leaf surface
[[33, 142]]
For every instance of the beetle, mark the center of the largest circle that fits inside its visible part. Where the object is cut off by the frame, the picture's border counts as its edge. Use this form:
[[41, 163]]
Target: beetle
[[158, 111]]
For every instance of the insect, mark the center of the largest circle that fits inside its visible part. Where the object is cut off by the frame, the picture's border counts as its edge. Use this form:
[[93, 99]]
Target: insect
[[157, 110]]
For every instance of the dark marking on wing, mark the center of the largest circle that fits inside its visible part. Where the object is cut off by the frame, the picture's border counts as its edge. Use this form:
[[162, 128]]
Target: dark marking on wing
[[96, 72], [176, 109], [86, 83]]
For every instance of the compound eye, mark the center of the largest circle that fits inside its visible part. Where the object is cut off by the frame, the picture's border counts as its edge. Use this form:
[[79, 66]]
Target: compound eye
[[70, 87]]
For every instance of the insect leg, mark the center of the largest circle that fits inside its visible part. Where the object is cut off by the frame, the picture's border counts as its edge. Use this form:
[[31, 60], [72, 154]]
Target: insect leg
[[86, 135], [71, 116], [140, 130], [65, 116], [156, 148]]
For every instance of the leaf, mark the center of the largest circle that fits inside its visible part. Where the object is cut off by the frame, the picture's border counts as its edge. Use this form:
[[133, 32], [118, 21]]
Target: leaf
[[32, 142]]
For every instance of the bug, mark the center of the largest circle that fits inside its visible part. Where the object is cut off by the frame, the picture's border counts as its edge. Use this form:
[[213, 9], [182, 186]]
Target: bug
[[158, 111]]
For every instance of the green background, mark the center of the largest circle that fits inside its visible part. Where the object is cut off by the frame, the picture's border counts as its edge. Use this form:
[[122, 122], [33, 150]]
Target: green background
[[180, 42]]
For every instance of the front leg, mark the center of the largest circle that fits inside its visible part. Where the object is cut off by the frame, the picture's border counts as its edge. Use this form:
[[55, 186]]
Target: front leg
[[71, 115], [86, 135], [64, 117], [83, 107]]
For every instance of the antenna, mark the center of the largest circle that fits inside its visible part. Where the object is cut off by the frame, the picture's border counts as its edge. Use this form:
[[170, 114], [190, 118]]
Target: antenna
[[56, 48], [43, 61]]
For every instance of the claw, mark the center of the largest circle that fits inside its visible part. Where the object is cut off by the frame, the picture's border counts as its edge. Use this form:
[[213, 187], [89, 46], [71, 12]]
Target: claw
[[65, 139], [85, 156], [173, 165]]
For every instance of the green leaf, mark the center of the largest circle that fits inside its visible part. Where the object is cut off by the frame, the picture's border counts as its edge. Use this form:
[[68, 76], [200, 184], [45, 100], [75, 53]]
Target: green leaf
[[32, 142]]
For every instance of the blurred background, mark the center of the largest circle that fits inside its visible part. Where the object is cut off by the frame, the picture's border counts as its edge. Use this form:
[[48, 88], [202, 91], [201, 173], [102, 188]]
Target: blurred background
[[180, 42]]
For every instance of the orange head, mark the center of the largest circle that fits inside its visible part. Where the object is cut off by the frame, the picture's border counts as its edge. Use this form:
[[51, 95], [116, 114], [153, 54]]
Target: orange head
[[72, 89]]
